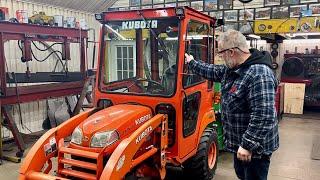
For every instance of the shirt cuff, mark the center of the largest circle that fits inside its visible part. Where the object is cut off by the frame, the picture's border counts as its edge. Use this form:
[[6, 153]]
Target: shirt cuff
[[251, 146], [191, 63]]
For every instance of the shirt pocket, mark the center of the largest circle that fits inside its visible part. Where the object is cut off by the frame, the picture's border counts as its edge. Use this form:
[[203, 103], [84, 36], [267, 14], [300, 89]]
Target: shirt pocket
[[237, 101]]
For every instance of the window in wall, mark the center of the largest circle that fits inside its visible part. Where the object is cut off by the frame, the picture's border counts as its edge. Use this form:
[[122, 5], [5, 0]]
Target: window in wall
[[124, 62]]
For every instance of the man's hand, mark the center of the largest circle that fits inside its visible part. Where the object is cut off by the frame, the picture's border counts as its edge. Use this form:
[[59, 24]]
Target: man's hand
[[244, 155], [188, 57]]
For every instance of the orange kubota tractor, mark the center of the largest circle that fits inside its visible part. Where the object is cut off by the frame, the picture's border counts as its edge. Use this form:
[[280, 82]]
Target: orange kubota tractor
[[150, 111]]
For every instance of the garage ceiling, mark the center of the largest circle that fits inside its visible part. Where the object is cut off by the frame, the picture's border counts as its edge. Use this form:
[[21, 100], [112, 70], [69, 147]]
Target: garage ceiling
[[92, 6]]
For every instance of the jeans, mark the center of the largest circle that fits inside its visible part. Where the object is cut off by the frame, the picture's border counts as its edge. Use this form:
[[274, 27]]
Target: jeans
[[256, 169]]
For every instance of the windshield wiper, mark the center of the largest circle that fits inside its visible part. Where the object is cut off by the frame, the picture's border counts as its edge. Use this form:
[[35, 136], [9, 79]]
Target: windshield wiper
[[114, 31], [163, 46]]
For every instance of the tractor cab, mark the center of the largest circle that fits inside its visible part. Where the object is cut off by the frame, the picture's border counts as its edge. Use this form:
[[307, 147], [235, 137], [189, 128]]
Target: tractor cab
[[141, 57], [142, 62]]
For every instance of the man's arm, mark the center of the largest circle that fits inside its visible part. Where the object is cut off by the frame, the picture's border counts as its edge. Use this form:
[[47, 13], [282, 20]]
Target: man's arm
[[208, 71], [261, 98]]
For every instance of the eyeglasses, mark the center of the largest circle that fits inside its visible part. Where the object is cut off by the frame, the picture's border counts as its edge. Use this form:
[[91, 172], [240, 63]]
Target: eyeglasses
[[222, 51], [219, 53]]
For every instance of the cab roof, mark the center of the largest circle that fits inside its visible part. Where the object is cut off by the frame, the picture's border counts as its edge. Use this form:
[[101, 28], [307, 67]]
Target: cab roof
[[152, 13]]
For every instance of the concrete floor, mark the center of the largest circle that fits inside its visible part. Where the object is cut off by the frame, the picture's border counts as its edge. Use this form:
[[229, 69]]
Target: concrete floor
[[291, 161]]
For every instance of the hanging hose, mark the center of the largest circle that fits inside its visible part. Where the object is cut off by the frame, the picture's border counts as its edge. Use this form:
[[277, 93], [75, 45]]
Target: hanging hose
[[47, 48], [56, 51], [45, 57], [57, 56], [19, 103]]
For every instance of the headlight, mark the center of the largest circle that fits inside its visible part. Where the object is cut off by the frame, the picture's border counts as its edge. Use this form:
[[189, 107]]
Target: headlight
[[102, 139], [76, 136]]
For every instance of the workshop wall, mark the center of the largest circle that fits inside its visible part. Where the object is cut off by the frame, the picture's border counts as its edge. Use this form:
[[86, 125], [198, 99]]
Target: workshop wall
[[34, 113]]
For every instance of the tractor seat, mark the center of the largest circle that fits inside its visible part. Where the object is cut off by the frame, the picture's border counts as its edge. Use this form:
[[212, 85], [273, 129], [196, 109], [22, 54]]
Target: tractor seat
[[169, 79]]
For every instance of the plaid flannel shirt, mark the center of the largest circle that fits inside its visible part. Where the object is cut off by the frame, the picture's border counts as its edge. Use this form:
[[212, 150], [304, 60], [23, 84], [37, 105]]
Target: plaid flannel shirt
[[248, 106]]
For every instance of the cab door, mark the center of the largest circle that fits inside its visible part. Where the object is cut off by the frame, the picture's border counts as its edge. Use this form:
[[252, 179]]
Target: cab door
[[196, 88]]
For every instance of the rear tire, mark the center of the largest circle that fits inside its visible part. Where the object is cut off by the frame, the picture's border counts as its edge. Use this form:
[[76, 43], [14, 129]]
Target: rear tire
[[204, 163]]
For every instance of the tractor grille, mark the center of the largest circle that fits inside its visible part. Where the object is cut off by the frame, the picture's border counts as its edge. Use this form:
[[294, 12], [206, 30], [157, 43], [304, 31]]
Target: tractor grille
[[84, 164]]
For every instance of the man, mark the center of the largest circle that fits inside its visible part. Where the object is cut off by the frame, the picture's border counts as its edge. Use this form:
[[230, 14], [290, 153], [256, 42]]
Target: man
[[248, 88]]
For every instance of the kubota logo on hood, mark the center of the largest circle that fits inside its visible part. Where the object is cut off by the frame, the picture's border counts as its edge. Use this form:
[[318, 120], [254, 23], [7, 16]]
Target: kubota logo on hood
[[143, 119]]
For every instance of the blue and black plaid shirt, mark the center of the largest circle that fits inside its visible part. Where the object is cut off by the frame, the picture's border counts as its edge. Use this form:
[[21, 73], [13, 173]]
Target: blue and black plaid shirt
[[248, 105]]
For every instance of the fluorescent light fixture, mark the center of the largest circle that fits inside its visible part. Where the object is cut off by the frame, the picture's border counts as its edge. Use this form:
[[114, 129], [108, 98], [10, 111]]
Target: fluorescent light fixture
[[171, 38], [254, 36], [300, 41], [302, 34], [307, 34], [198, 36]]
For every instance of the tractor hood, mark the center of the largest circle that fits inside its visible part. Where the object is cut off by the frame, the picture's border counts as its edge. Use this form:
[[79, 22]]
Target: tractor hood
[[123, 118]]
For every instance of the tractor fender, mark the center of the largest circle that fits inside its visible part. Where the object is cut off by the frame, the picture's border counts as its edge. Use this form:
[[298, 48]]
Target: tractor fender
[[207, 119], [36, 157]]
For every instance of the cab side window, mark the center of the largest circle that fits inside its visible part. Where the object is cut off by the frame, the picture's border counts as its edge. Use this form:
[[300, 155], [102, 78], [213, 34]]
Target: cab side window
[[197, 44]]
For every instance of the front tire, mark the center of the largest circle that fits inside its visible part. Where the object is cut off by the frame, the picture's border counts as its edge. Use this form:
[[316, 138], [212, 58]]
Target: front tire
[[204, 163]]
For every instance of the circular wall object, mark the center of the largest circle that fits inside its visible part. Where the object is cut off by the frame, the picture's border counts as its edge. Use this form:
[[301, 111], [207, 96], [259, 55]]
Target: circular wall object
[[245, 1], [274, 45], [262, 27], [275, 65], [274, 53]]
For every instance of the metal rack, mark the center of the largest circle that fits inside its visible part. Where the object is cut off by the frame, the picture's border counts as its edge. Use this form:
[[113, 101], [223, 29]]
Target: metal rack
[[56, 84]]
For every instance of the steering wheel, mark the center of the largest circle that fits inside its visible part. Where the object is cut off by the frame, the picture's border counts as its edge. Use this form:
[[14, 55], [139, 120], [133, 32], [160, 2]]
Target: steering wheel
[[155, 87], [152, 85]]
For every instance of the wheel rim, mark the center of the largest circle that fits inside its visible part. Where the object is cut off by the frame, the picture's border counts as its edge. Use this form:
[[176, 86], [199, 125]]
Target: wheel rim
[[212, 155]]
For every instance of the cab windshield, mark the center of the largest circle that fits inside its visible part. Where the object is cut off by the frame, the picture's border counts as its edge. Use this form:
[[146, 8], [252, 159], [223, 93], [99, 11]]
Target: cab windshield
[[140, 56]]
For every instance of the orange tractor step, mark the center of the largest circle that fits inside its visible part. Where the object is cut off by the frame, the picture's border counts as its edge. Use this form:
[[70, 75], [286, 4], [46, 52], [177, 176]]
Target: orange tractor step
[[78, 152], [77, 163], [78, 174]]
